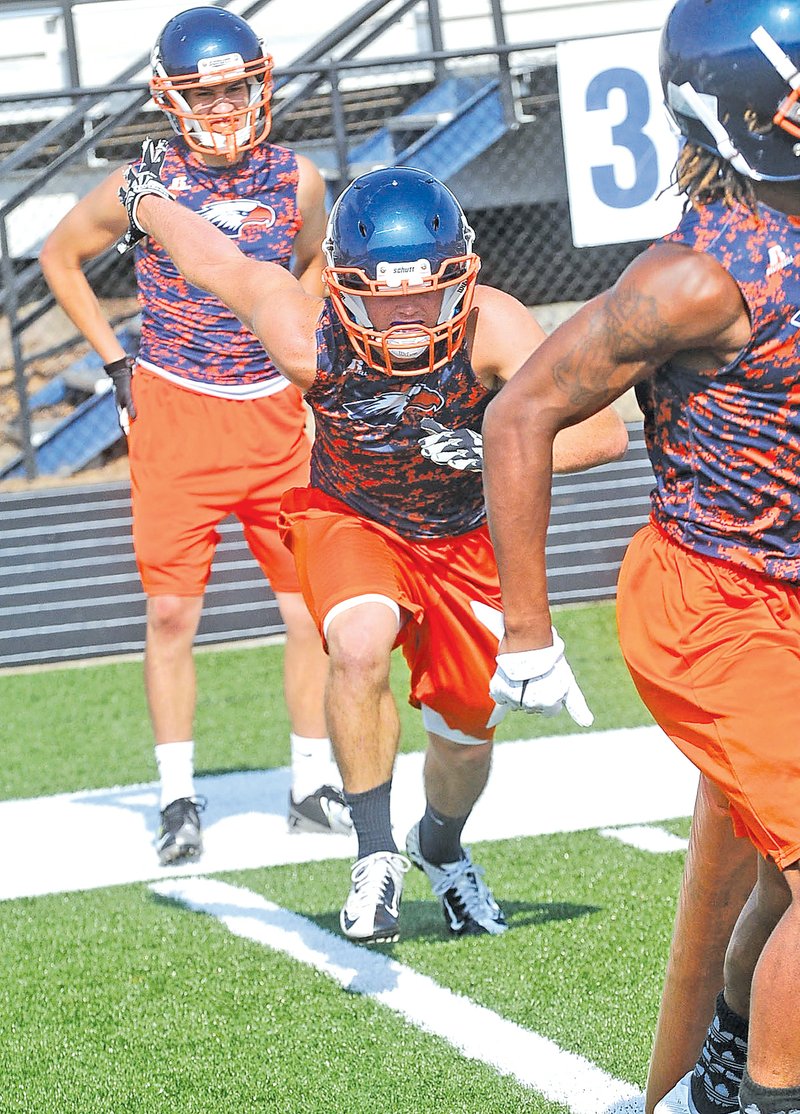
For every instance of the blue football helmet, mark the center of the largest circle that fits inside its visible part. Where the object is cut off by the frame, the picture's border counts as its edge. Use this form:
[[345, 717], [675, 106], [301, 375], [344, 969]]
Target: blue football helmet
[[198, 51], [400, 231], [730, 70]]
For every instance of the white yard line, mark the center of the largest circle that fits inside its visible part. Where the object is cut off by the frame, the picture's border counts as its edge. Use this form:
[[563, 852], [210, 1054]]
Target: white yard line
[[104, 837], [477, 1032], [656, 840], [613, 780]]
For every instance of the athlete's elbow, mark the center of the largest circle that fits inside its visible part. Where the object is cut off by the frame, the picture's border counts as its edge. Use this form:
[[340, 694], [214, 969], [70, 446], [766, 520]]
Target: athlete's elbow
[[511, 415], [49, 258], [498, 419], [616, 441], [621, 447]]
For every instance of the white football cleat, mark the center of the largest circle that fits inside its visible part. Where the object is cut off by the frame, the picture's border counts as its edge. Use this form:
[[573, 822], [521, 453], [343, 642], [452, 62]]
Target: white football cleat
[[679, 1099], [467, 902], [371, 914]]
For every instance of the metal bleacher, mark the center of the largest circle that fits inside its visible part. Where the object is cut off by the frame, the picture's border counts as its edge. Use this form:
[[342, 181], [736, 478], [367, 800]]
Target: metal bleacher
[[443, 130], [69, 587], [90, 428]]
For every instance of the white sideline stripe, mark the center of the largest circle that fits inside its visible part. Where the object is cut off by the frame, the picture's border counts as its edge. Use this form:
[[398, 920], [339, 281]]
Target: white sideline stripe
[[477, 1032], [564, 783], [656, 840]]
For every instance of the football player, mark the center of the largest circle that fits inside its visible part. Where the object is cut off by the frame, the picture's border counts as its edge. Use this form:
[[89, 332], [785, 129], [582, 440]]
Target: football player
[[398, 365], [213, 427], [705, 324]]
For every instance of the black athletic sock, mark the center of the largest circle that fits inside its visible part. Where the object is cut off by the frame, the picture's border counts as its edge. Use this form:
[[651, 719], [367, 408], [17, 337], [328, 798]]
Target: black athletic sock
[[755, 1099], [717, 1076], [372, 819], [440, 836]]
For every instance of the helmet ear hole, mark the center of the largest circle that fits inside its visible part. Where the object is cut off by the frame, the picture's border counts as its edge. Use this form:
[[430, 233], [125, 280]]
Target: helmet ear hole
[[756, 124]]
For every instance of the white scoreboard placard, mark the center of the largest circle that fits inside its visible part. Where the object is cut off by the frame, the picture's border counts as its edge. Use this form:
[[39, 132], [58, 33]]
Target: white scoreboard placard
[[618, 143]]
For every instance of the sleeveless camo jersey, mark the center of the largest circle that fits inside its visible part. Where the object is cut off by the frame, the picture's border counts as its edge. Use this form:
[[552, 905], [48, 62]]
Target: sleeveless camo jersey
[[366, 450], [725, 443], [188, 335]]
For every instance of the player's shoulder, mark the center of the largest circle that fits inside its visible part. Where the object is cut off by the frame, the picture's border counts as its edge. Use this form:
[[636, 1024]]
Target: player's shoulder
[[506, 332], [308, 170], [674, 273], [500, 311], [491, 297]]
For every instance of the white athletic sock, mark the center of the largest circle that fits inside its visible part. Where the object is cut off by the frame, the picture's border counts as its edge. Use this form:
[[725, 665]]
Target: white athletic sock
[[312, 765], [176, 770]]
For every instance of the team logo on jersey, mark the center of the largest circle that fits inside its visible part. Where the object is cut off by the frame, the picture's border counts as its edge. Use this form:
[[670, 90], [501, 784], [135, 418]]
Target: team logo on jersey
[[234, 216], [390, 405], [778, 259]]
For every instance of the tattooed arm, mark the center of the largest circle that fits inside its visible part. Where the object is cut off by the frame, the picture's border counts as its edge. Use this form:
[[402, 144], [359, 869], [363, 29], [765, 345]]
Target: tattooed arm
[[669, 300]]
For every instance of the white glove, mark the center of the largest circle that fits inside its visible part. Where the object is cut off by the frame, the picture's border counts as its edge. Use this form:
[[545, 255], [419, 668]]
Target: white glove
[[458, 448], [540, 682], [138, 183]]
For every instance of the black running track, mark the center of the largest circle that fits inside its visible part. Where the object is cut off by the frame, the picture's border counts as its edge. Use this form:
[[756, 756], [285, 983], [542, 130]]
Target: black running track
[[69, 587]]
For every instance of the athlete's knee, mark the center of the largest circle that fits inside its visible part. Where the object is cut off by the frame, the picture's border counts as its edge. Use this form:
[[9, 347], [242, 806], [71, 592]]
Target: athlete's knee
[[170, 617], [360, 637], [359, 653], [359, 662]]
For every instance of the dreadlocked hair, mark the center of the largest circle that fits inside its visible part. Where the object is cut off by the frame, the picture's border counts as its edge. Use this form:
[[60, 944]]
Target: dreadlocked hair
[[705, 177]]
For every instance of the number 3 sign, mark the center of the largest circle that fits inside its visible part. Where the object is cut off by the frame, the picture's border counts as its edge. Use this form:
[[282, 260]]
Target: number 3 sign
[[618, 143]]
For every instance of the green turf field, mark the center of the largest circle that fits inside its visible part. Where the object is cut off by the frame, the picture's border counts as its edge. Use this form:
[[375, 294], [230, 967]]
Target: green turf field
[[119, 1000]]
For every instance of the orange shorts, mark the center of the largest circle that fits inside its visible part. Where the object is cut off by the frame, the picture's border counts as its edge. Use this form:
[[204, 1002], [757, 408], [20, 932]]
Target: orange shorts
[[714, 651], [196, 459], [450, 652]]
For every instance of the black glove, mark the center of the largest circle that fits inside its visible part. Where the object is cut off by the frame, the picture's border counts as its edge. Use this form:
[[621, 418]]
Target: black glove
[[121, 373], [139, 182]]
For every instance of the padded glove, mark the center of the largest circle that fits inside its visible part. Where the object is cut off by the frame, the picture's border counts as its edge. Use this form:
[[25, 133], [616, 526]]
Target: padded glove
[[121, 373], [139, 181], [540, 682]]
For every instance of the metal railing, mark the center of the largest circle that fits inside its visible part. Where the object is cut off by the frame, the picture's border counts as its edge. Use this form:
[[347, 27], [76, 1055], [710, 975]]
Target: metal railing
[[526, 248], [135, 96]]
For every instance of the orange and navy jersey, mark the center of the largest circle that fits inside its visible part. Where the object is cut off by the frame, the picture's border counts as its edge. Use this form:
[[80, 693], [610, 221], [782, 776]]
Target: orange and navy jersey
[[187, 332], [725, 442], [366, 449]]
